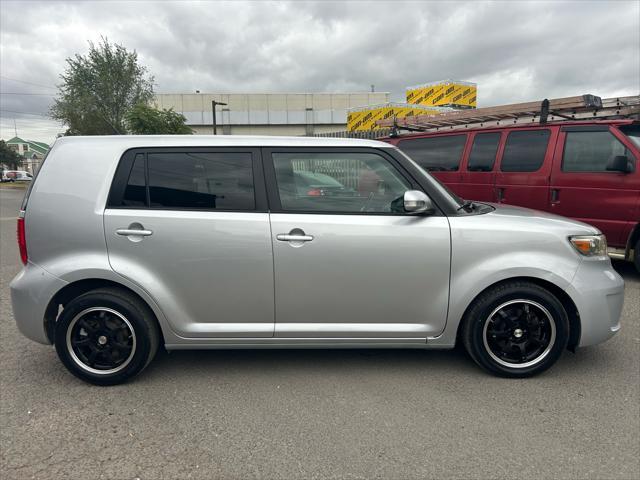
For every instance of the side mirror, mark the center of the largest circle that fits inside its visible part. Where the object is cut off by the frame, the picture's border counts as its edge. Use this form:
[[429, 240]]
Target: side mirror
[[416, 201], [619, 163]]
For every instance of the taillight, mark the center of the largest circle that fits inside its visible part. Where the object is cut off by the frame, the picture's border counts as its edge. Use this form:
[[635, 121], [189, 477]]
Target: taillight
[[314, 192], [22, 239]]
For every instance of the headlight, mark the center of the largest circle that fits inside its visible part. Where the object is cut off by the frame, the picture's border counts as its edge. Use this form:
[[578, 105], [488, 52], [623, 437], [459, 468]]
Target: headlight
[[590, 245]]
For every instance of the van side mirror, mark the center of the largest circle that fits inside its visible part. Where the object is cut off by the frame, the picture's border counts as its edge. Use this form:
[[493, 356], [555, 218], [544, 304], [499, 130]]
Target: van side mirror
[[415, 202], [619, 163]]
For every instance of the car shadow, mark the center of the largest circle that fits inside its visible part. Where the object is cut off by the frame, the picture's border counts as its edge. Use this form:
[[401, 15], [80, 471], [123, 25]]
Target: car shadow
[[626, 269], [309, 361]]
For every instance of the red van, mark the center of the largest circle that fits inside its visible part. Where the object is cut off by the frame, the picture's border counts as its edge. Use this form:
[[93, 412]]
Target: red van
[[587, 170]]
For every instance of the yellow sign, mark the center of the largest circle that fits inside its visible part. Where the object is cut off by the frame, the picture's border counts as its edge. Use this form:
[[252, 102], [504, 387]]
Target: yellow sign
[[365, 118], [446, 93]]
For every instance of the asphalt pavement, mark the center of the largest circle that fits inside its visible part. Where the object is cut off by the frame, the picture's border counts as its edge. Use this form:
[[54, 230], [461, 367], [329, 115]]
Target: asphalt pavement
[[317, 413]]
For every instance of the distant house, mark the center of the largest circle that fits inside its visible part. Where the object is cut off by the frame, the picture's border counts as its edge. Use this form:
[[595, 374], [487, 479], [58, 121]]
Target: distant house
[[32, 152]]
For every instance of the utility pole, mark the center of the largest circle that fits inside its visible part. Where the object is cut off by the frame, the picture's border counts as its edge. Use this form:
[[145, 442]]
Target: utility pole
[[213, 111]]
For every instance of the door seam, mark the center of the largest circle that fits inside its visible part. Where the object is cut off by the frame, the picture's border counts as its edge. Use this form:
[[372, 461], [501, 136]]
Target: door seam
[[273, 274]]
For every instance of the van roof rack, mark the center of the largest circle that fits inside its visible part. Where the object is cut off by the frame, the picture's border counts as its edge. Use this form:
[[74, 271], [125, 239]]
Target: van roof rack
[[583, 107]]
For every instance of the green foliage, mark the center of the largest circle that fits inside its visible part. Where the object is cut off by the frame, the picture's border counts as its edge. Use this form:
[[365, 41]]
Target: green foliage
[[145, 120], [9, 157], [99, 89]]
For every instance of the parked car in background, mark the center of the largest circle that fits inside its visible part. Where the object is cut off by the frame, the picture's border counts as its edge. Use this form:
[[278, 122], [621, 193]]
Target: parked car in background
[[16, 176], [586, 170], [317, 184], [122, 255]]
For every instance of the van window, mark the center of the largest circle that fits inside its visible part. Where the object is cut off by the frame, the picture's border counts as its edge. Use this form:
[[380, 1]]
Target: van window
[[441, 153], [590, 151], [135, 195], [338, 182], [525, 151], [195, 180], [483, 152], [633, 132]]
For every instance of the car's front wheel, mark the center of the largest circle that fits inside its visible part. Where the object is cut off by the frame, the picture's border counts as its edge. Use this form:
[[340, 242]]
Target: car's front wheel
[[106, 336], [516, 329]]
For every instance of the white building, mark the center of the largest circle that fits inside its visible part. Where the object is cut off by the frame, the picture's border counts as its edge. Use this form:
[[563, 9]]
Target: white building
[[268, 113]]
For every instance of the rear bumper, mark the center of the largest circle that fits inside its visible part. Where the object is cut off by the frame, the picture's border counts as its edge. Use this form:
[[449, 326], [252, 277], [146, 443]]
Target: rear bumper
[[598, 292], [31, 291]]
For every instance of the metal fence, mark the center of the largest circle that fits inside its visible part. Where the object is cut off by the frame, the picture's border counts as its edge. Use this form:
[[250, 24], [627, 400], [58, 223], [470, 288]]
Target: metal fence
[[368, 134], [347, 171]]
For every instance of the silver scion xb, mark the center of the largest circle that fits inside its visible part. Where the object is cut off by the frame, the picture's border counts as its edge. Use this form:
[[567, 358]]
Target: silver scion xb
[[195, 242]]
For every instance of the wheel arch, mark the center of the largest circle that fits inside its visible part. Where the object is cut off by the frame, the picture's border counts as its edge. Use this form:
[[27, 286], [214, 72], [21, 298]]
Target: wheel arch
[[555, 290], [79, 287]]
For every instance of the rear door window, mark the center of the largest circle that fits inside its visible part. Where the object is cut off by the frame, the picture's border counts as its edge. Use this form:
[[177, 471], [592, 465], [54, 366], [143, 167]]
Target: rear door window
[[525, 151], [201, 180], [590, 151], [441, 153], [483, 152]]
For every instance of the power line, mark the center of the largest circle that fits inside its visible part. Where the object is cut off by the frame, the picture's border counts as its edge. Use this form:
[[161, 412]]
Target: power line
[[28, 83], [24, 113], [20, 93]]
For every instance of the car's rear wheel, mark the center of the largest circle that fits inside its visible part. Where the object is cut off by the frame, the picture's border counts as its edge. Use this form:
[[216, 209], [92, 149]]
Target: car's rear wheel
[[106, 336], [516, 329], [636, 255]]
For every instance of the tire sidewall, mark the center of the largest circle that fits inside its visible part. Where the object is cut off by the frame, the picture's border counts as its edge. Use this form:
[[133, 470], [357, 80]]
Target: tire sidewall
[[127, 309], [486, 306]]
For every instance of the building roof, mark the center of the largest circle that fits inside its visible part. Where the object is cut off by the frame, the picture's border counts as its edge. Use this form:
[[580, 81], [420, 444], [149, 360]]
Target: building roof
[[39, 147], [268, 108]]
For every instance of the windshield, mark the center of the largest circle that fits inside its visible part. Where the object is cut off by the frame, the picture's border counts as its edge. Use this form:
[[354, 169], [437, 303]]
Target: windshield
[[633, 132]]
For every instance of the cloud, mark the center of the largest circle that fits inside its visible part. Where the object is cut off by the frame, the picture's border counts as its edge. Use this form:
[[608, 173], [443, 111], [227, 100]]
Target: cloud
[[515, 51]]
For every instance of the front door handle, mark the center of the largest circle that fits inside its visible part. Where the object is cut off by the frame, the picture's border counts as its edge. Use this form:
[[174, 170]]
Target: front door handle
[[133, 231], [286, 237], [555, 196], [500, 195]]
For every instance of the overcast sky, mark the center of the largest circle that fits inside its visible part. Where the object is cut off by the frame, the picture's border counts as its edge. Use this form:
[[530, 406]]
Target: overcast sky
[[514, 50]]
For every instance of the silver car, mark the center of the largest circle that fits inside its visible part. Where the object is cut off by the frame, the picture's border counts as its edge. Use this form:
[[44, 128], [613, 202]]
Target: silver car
[[194, 242]]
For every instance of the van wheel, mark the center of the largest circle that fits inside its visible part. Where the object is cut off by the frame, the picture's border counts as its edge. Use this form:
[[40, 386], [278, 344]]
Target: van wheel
[[106, 336], [516, 329]]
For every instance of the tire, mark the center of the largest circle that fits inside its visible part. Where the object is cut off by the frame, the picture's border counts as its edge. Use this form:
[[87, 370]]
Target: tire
[[636, 255], [106, 336], [516, 329]]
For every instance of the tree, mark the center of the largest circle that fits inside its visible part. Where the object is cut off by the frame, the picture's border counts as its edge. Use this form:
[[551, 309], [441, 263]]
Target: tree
[[143, 119], [9, 157], [99, 89]]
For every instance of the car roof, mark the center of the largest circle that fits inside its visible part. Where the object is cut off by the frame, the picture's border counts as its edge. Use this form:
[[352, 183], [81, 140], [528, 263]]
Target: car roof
[[133, 141]]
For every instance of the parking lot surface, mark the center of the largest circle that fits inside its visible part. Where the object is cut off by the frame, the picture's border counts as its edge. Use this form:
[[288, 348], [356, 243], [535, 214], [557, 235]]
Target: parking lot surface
[[318, 413]]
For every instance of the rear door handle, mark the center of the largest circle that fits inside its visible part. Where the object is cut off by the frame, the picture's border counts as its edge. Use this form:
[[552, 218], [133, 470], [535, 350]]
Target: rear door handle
[[500, 194], [285, 237], [133, 231], [555, 196]]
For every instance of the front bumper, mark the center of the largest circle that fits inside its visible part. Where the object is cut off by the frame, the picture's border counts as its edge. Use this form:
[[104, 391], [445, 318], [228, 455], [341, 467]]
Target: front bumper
[[598, 292], [31, 291]]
